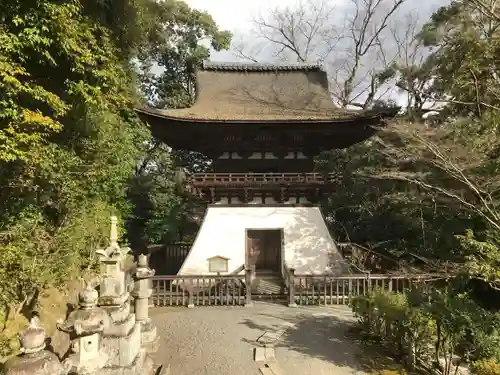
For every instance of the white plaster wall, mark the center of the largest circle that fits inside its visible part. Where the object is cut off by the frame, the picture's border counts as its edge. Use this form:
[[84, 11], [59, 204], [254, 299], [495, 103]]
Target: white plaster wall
[[223, 200], [307, 243]]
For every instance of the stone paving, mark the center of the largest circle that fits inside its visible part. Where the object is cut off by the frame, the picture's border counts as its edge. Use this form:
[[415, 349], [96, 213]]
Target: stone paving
[[266, 339]]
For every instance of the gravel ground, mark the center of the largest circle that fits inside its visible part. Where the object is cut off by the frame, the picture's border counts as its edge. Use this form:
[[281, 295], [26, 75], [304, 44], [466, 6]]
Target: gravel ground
[[220, 340]]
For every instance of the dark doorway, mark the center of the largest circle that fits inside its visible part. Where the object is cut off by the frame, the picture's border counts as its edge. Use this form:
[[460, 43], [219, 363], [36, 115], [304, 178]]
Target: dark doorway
[[263, 249]]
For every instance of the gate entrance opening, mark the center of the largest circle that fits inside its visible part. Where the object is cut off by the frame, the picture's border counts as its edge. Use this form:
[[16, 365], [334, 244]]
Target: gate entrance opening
[[264, 249]]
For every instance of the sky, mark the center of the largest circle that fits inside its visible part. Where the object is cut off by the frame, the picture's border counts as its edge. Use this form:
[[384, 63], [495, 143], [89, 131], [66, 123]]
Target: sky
[[236, 15]]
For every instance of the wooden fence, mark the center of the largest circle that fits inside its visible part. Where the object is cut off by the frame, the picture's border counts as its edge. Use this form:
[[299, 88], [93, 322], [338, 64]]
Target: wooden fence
[[232, 290], [198, 290], [324, 290], [167, 260]]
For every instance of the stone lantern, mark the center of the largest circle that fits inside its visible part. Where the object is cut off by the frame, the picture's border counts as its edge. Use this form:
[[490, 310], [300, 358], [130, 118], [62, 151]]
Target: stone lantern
[[85, 326], [34, 359], [141, 293]]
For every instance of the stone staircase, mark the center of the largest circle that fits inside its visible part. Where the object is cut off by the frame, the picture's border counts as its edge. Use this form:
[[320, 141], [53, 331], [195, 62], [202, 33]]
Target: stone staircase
[[269, 286]]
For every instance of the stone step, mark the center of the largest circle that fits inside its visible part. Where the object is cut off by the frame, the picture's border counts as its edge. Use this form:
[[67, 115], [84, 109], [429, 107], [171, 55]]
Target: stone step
[[268, 286]]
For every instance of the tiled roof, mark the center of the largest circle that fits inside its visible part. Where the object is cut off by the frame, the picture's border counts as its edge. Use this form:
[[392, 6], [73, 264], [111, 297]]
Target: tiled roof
[[235, 92], [260, 67], [268, 115]]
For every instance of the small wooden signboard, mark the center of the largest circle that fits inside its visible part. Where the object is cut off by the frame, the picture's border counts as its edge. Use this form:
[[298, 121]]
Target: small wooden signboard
[[218, 264]]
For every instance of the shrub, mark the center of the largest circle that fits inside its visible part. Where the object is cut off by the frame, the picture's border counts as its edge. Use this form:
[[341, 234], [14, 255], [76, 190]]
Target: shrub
[[393, 319], [489, 366], [435, 325]]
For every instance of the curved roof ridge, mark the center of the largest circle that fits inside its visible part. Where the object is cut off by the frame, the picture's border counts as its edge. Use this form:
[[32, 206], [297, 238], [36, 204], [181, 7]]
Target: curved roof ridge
[[260, 67]]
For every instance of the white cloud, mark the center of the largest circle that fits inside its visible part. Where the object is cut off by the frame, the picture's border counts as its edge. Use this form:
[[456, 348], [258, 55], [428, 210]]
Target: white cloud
[[236, 14]]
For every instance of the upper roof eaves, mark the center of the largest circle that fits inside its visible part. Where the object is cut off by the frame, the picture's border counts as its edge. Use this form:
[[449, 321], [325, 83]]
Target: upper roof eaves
[[260, 67]]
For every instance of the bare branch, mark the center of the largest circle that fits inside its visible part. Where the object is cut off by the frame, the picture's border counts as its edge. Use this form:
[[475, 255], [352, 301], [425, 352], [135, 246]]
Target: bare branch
[[366, 26], [355, 54], [452, 101], [489, 9], [239, 51], [467, 192]]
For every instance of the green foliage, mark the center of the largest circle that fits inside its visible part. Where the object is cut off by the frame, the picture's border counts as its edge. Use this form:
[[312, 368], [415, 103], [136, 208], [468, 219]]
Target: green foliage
[[483, 256], [69, 144], [134, 24], [463, 65], [36, 254], [396, 320], [51, 40], [153, 192], [189, 34], [430, 324], [486, 367], [395, 219], [162, 212]]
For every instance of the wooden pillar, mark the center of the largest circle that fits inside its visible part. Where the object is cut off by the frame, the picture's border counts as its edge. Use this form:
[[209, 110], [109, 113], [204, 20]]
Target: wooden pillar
[[282, 195], [190, 297], [291, 288], [317, 195]]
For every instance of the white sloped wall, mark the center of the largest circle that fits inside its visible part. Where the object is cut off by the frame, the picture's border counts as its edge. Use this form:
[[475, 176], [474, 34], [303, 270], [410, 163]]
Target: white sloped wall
[[308, 246]]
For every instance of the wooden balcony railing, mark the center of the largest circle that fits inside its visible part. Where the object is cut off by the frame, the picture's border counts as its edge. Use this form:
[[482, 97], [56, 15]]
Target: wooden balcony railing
[[258, 178]]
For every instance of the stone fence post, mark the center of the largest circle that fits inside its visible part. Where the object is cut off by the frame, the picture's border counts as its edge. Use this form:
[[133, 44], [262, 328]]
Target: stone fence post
[[141, 293], [249, 276], [291, 288]]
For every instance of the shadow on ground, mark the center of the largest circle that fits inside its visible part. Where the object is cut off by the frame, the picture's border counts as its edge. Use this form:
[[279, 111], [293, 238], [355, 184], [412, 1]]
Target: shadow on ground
[[220, 341], [323, 337]]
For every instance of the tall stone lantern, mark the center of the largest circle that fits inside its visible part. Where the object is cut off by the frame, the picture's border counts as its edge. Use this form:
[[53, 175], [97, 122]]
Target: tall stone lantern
[[122, 337], [85, 327], [141, 293], [34, 358]]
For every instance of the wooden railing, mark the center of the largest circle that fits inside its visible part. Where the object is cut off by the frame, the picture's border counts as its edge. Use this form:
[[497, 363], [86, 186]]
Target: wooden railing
[[258, 178], [325, 290], [168, 259], [193, 291], [231, 290]]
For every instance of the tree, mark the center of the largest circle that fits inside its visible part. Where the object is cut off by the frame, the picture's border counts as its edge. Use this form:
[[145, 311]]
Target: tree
[[303, 33], [69, 143], [162, 212], [72, 150], [181, 51], [356, 55], [465, 45], [456, 161], [413, 76]]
